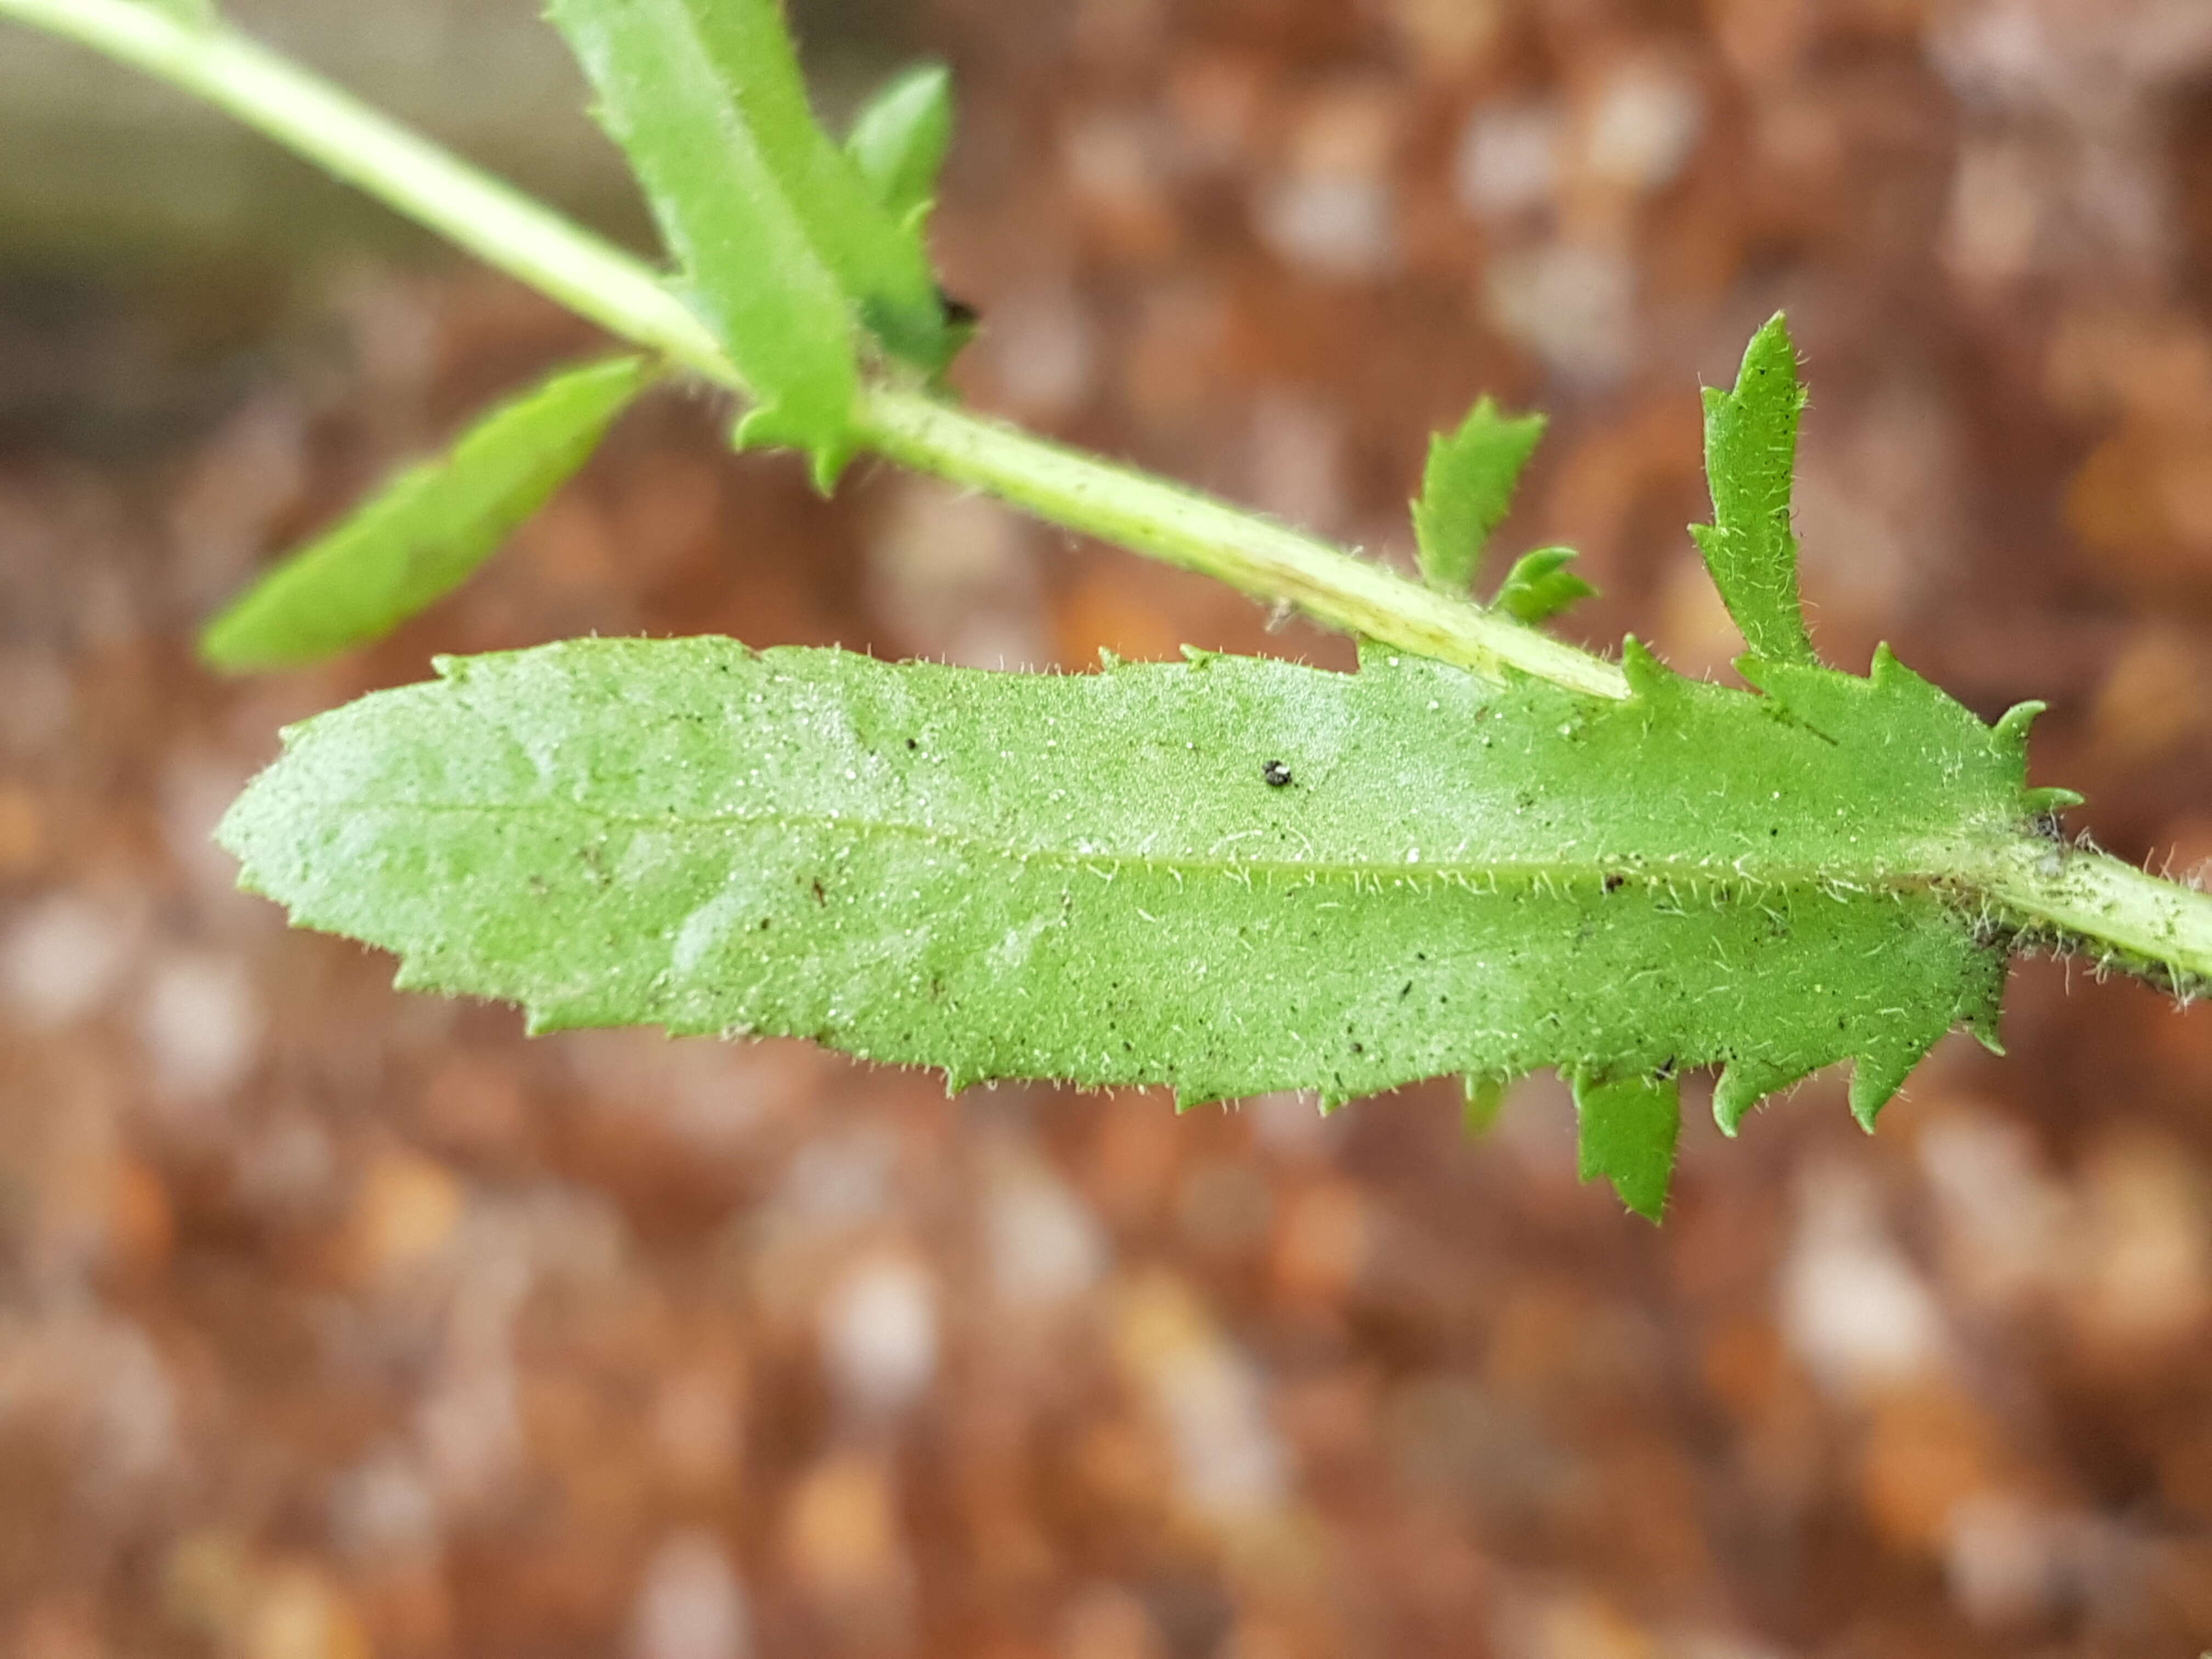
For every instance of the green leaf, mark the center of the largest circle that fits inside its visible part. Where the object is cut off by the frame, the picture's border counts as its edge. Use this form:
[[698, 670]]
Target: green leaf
[[900, 140], [769, 215], [428, 530], [715, 168], [878, 256], [1629, 1128], [1750, 457], [1539, 586], [1467, 491], [1228, 876]]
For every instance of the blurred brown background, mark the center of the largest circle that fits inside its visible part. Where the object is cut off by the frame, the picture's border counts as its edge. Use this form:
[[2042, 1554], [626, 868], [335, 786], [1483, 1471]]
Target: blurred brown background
[[336, 1323]]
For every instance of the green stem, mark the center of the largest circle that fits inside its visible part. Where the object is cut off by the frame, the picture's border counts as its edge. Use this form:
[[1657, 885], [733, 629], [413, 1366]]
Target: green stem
[[346, 137], [626, 296], [2108, 910], [2084, 900], [1184, 527]]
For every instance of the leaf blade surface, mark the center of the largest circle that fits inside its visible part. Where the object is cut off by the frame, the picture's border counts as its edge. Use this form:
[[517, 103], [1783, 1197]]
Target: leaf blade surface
[[876, 254], [747, 249], [1466, 490], [1750, 457], [1099, 878], [428, 530], [900, 137]]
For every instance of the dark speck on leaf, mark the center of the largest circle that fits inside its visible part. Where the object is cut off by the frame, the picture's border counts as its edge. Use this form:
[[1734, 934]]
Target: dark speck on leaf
[[1614, 884], [1276, 774]]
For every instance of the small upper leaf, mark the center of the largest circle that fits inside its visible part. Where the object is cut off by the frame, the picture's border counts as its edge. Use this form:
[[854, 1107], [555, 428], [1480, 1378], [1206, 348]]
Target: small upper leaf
[[426, 531], [1539, 586], [1751, 455], [1468, 490], [711, 164], [1628, 1130], [877, 255], [900, 140]]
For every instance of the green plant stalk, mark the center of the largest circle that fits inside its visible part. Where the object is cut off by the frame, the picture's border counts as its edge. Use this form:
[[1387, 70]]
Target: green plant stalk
[[2085, 904], [625, 296], [2084, 901], [1184, 527]]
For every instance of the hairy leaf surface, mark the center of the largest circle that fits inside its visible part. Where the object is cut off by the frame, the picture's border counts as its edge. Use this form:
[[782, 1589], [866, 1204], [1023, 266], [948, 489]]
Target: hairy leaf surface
[[1751, 456], [1229, 876], [900, 140], [876, 252], [428, 530], [1468, 490], [716, 174]]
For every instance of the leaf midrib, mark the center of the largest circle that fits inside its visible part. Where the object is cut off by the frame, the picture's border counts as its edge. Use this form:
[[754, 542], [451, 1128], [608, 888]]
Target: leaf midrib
[[1938, 870]]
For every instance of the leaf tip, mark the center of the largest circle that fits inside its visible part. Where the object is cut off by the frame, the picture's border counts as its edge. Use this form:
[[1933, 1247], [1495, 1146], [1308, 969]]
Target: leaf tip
[[1484, 1100], [773, 427], [2046, 803], [1876, 1078], [1539, 588], [2009, 735], [1627, 1134], [1744, 1086], [1648, 676], [1467, 488]]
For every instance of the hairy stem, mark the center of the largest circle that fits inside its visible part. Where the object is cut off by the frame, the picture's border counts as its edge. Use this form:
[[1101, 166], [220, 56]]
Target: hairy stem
[[2083, 900], [626, 296], [1184, 527], [2108, 910]]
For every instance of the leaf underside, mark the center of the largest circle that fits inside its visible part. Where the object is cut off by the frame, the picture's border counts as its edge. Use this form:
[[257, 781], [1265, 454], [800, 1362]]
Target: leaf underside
[[1229, 877], [428, 530]]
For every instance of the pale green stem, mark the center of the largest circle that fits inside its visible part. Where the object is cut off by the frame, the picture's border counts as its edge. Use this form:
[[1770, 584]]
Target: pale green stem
[[2104, 907], [2096, 902], [1184, 527], [344, 137], [626, 296]]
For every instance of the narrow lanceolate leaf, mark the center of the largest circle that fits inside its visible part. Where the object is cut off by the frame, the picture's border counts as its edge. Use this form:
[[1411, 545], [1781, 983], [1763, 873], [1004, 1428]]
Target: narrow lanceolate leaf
[[428, 530], [1751, 458], [1229, 876], [1467, 491], [1539, 586], [747, 246], [877, 255], [900, 140]]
